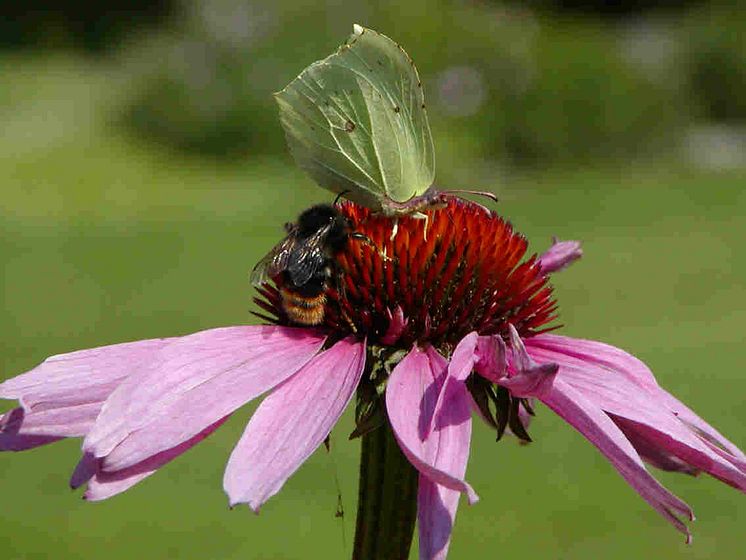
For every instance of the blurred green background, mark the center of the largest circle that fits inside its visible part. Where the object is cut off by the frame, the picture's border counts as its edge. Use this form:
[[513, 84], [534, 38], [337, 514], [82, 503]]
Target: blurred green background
[[144, 172]]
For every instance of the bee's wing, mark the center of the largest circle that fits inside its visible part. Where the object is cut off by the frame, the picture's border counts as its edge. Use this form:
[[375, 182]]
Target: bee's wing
[[308, 256], [274, 262]]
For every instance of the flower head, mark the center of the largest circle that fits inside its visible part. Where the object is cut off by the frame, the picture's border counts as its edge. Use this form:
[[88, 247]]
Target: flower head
[[441, 319], [463, 269]]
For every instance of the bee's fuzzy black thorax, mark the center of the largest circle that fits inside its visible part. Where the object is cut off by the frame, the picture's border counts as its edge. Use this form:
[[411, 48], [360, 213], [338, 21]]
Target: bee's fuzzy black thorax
[[320, 215], [303, 265]]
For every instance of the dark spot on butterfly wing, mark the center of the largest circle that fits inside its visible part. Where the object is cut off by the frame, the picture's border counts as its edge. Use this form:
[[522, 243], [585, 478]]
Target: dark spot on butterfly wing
[[397, 109]]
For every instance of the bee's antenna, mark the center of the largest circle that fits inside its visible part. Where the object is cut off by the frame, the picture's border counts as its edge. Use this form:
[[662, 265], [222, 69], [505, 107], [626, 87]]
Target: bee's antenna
[[340, 195]]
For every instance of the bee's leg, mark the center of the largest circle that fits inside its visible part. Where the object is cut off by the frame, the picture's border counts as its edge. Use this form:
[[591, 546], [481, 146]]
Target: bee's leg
[[369, 242], [341, 290]]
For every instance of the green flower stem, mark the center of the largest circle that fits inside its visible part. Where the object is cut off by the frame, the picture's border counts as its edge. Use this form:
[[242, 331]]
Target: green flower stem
[[387, 502]]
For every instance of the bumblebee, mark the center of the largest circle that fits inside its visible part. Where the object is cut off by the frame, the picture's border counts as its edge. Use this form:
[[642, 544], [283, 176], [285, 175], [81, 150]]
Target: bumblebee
[[303, 263]]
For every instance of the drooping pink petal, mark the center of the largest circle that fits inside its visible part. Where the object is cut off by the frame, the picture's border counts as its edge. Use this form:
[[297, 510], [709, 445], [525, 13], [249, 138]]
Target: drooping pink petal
[[107, 485], [491, 363], [585, 414], [525, 377], [14, 436], [437, 504], [593, 423], [651, 451], [436, 515], [641, 413], [412, 392], [459, 368], [697, 424], [192, 383], [602, 355], [103, 485], [491, 358], [559, 256], [614, 359], [72, 378], [63, 395], [21, 430], [292, 422], [84, 471], [397, 324], [449, 438], [673, 441]]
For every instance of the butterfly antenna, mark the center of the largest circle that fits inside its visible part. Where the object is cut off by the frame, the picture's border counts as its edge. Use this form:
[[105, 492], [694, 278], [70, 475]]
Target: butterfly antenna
[[486, 194]]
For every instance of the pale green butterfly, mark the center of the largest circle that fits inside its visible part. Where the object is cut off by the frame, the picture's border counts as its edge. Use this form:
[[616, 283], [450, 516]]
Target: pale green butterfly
[[356, 122]]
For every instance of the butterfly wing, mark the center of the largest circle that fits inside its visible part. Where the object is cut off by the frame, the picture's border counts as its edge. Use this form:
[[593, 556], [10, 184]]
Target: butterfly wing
[[356, 122]]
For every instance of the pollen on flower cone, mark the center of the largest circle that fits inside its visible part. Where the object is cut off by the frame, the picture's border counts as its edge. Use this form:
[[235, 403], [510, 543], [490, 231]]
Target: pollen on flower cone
[[460, 270]]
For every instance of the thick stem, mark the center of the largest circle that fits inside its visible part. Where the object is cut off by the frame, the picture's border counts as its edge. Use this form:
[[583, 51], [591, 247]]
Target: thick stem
[[387, 503]]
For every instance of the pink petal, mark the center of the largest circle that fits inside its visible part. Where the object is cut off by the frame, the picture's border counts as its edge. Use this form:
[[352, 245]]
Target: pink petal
[[672, 446], [491, 358], [13, 436], [640, 412], [613, 359], [107, 485], [602, 355], [463, 358], [598, 428], [527, 378], [412, 392], [72, 377], [20, 430], [459, 368], [397, 324], [84, 471], [436, 515], [697, 424], [559, 256], [651, 451], [63, 396], [292, 422], [192, 383], [104, 485]]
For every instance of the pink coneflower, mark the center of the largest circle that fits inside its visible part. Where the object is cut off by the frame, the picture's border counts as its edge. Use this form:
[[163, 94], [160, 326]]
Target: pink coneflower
[[445, 318]]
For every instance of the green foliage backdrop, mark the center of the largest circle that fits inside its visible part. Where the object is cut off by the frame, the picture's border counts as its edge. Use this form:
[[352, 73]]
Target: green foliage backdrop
[[105, 237]]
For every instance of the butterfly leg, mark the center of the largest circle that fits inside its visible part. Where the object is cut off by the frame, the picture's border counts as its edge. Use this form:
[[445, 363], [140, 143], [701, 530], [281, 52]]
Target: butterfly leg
[[394, 229], [422, 216]]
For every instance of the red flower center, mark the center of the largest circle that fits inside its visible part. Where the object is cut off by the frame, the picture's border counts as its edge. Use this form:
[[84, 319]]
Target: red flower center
[[460, 270]]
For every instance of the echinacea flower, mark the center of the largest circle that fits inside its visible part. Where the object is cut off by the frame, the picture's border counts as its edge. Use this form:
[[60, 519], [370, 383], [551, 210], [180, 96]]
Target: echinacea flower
[[445, 318]]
